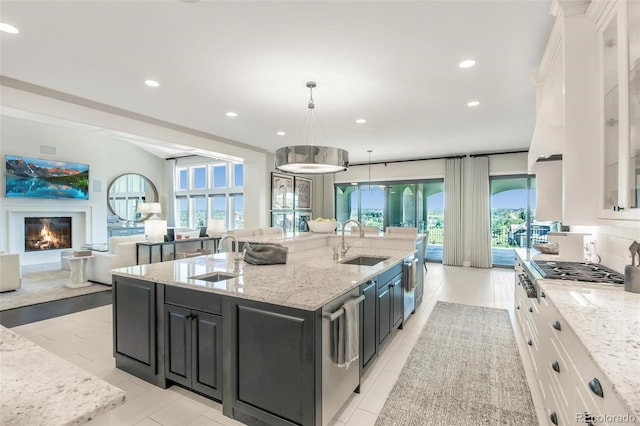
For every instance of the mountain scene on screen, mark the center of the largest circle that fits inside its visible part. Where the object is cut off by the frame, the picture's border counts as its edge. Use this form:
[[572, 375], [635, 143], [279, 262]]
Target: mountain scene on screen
[[38, 178]]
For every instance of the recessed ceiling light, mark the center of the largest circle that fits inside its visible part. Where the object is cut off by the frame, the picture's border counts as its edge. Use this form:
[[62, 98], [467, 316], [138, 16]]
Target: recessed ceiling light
[[281, 133], [232, 114], [8, 28], [361, 121], [468, 63], [151, 83], [473, 103]]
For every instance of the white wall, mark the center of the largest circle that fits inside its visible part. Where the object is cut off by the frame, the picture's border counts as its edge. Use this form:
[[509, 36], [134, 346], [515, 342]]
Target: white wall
[[107, 158], [612, 241]]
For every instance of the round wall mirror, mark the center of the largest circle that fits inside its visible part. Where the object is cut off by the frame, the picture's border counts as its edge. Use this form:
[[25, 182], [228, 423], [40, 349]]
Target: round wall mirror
[[126, 192]]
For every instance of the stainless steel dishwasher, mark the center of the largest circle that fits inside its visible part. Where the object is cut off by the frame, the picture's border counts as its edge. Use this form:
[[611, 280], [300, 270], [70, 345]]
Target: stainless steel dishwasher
[[338, 383], [409, 271]]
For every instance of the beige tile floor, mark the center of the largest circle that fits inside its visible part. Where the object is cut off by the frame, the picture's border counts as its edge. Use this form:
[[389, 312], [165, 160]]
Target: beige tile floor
[[85, 339]]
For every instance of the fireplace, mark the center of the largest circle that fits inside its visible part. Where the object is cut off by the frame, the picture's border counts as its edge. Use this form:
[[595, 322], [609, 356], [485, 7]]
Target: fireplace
[[47, 233]]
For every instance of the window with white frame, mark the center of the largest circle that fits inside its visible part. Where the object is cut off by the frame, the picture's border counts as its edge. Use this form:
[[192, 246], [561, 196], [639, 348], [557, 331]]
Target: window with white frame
[[209, 190]]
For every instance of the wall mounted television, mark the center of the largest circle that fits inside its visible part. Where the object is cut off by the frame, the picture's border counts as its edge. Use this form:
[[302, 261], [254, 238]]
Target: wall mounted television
[[37, 178]]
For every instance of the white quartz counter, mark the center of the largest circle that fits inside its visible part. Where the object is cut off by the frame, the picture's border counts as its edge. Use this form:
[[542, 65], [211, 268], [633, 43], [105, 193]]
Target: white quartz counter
[[40, 388], [606, 319], [309, 280], [529, 254]]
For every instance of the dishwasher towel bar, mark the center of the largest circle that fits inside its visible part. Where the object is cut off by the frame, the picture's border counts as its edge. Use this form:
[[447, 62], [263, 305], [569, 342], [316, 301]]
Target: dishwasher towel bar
[[337, 314]]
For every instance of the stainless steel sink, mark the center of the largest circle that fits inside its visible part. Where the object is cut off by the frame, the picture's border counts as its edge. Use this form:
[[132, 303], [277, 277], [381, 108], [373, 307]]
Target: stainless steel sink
[[215, 277], [364, 260]]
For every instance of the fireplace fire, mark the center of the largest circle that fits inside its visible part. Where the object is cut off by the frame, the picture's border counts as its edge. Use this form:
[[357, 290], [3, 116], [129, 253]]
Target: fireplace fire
[[47, 233]]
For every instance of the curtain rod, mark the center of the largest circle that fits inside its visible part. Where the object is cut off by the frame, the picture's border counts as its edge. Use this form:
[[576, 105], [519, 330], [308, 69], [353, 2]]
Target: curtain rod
[[437, 158]]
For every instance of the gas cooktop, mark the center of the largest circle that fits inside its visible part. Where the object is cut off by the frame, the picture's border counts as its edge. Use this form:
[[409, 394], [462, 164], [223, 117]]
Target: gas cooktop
[[577, 271]]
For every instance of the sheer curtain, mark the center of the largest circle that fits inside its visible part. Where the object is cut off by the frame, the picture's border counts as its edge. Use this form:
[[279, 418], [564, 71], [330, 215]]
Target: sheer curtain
[[170, 178], [453, 248], [480, 235]]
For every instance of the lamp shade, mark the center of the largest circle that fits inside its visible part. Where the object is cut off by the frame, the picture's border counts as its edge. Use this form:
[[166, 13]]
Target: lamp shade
[[143, 208], [155, 230], [215, 227], [152, 209], [312, 159]]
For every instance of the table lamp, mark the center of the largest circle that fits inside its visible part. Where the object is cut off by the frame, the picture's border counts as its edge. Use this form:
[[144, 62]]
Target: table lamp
[[215, 227], [155, 230]]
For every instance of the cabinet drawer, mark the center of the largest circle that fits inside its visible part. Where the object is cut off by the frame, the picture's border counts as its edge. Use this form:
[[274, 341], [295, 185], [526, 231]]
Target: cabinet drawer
[[389, 274], [194, 299]]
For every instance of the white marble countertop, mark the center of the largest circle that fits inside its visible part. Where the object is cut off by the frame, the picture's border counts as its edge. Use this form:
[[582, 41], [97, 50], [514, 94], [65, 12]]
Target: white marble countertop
[[528, 254], [606, 319], [309, 280], [40, 388]]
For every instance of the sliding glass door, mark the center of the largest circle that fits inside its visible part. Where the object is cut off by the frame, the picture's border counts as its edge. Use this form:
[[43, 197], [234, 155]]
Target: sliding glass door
[[513, 221], [432, 218], [413, 204]]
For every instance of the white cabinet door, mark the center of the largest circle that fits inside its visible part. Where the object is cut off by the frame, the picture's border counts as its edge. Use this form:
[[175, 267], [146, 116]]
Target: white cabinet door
[[619, 106]]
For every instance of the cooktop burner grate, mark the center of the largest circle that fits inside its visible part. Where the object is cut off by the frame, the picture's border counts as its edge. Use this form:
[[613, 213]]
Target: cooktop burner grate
[[577, 271]]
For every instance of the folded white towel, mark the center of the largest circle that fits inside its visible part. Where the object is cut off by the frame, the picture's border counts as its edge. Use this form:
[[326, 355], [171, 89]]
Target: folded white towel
[[350, 336]]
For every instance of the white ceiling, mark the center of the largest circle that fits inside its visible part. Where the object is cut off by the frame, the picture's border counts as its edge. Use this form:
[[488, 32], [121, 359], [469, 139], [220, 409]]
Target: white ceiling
[[393, 63]]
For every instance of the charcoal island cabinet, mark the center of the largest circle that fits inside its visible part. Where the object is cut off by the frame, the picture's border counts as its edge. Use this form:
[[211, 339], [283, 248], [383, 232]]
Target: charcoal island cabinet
[[368, 309], [136, 338], [258, 345], [193, 340]]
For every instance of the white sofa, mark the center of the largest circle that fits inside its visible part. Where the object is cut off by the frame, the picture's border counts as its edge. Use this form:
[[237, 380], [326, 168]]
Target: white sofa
[[10, 276], [269, 233], [272, 232], [122, 252]]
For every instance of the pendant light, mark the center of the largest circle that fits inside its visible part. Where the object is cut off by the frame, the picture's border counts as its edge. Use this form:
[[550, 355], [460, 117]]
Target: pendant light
[[310, 158]]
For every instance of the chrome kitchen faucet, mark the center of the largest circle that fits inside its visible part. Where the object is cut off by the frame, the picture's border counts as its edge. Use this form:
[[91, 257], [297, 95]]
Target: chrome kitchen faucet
[[237, 257], [342, 245]]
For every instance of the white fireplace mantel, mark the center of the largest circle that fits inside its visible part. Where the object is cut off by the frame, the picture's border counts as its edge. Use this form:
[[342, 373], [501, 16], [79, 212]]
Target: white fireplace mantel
[[81, 228]]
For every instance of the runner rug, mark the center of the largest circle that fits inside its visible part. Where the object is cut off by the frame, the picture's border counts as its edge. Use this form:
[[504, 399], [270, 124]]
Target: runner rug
[[465, 369]]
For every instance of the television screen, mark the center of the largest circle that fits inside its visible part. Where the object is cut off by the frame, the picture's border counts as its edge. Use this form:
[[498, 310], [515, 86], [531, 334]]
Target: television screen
[[36, 178]]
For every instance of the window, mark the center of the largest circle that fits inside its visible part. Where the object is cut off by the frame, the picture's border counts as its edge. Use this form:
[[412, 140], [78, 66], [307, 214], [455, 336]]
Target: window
[[203, 192], [382, 204], [238, 174], [199, 177], [513, 214], [218, 206], [237, 209], [182, 209], [199, 209], [182, 180], [219, 176]]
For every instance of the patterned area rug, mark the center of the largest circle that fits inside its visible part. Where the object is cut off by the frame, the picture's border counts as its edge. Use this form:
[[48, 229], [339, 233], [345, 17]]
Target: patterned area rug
[[44, 283], [465, 369]]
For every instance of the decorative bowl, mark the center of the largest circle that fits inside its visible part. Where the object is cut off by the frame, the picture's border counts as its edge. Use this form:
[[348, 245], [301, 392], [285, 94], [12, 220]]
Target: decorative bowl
[[322, 227], [550, 248]]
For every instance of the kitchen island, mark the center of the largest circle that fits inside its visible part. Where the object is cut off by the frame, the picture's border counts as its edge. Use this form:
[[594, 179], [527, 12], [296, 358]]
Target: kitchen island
[[259, 340], [584, 342]]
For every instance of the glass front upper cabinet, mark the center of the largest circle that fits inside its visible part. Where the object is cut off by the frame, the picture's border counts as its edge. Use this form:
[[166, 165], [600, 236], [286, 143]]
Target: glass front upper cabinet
[[610, 93], [633, 16], [619, 88]]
